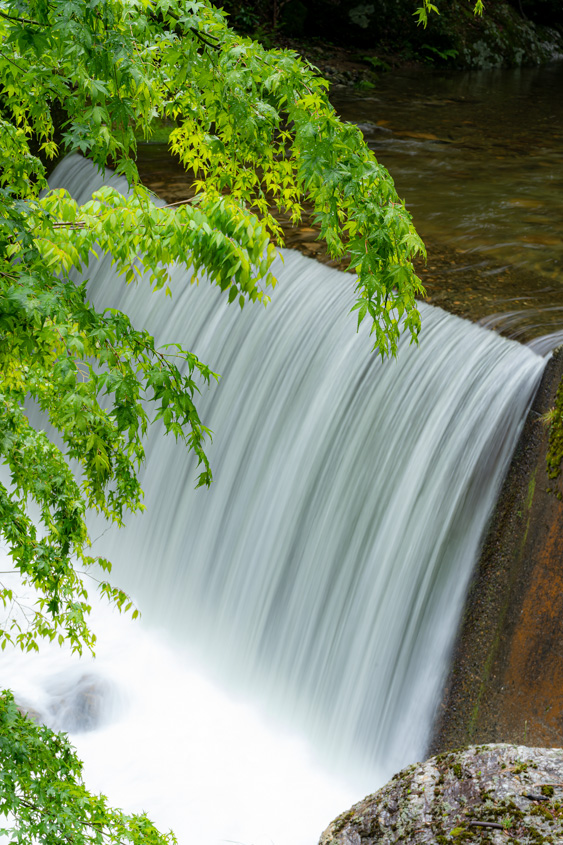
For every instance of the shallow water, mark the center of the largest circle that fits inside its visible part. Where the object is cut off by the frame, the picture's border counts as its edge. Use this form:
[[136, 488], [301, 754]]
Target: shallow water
[[478, 157]]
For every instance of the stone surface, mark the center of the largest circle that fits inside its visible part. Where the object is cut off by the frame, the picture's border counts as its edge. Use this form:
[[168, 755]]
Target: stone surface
[[494, 793], [74, 702], [78, 703]]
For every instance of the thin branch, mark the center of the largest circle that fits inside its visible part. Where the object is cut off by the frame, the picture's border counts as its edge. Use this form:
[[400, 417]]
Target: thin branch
[[492, 825], [8, 59], [203, 39], [179, 202], [22, 20], [95, 540], [23, 70], [97, 826]]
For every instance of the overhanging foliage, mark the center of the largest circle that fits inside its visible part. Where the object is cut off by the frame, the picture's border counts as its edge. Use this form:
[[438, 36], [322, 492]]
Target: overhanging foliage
[[258, 132], [41, 786]]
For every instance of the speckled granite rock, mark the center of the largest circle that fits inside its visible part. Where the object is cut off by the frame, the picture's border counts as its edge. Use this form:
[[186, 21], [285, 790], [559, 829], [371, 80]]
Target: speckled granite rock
[[483, 794]]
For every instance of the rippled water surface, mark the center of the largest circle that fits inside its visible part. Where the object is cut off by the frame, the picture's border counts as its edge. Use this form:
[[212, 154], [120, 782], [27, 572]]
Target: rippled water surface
[[479, 159]]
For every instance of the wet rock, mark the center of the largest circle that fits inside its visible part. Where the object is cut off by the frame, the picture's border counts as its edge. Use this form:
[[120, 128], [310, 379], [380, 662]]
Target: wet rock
[[30, 711], [492, 793], [79, 704]]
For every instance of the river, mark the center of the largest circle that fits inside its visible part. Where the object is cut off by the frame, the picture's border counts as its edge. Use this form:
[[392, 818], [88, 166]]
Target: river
[[478, 158]]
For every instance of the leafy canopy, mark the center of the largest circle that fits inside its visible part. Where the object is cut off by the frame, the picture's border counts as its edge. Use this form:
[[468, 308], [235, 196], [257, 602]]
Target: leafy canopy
[[41, 784], [257, 131]]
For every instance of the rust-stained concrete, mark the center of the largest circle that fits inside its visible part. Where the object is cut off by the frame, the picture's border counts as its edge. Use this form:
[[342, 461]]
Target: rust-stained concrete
[[506, 681]]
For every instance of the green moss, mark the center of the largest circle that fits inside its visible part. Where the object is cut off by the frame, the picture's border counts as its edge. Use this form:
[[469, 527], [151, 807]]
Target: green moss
[[531, 490], [340, 823], [555, 450], [461, 834], [547, 790], [542, 810], [535, 836], [492, 652]]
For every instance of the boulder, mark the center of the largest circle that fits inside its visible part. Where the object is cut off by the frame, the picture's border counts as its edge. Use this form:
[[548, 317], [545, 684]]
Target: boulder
[[491, 793], [79, 703]]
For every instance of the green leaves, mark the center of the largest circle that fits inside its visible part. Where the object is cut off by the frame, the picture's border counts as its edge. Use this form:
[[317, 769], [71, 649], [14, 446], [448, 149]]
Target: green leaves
[[258, 132], [43, 798], [421, 14], [91, 374]]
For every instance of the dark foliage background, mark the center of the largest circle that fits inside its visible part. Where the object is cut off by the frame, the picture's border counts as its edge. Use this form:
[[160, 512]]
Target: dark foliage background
[[388, 23]]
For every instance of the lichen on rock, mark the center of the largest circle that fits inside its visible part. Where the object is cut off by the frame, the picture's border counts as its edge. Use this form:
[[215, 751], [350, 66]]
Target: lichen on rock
[[492, 793]]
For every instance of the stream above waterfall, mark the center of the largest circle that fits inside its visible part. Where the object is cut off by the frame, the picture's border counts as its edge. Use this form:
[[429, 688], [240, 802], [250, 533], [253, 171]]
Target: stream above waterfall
[[478, 158]]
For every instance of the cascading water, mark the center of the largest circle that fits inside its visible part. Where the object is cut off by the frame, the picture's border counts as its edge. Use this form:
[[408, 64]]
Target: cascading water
[[322, 576]]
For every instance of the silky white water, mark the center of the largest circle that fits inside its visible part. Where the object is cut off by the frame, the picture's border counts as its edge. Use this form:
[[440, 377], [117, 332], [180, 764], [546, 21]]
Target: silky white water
[[297, 616]]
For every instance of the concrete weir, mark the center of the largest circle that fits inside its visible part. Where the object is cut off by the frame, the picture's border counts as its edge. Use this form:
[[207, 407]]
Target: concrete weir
[[506, 680]]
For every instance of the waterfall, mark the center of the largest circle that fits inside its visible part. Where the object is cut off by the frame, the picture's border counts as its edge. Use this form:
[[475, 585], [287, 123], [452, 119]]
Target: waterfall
[[318, 583]]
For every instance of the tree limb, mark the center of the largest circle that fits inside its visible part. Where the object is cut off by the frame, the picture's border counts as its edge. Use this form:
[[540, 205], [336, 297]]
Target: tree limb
[[22, 20]]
